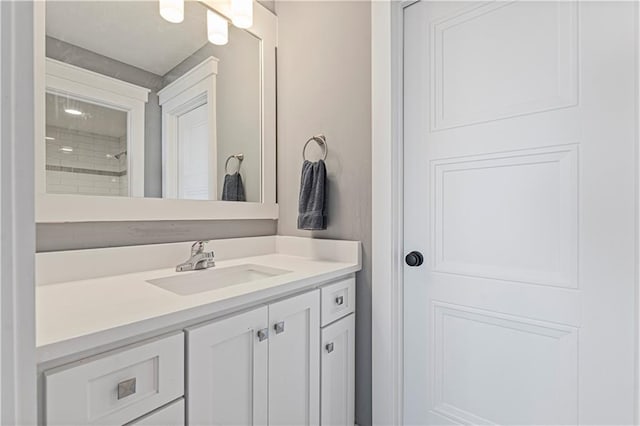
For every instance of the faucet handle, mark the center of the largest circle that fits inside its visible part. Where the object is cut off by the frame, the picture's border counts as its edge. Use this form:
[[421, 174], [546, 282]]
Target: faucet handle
[[198, 247]]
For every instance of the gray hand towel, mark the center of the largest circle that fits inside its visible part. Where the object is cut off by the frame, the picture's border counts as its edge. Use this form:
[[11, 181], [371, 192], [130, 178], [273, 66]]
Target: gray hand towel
[[233, 189], [312, 204]]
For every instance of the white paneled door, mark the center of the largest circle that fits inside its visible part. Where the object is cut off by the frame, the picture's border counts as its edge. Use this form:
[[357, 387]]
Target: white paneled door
[[520, 152]]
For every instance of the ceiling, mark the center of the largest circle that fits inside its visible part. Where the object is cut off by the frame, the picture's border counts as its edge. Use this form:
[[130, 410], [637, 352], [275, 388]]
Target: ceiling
[[132, 32]]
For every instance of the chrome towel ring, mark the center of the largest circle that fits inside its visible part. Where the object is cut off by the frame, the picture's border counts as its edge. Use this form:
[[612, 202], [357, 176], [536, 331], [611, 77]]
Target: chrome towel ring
[[238, 157], [321, 140]]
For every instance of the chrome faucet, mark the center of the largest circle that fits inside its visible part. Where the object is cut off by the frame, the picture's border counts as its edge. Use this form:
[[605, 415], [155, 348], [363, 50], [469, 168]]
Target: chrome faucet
[[199, 258]]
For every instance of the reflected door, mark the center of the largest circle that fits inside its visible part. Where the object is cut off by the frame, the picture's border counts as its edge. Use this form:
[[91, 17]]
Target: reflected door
[[194, 176], [519, 191]]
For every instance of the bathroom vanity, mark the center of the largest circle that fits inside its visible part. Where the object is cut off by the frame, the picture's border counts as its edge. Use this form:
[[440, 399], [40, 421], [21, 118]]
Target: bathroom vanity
[[264, 337], [151, 132]]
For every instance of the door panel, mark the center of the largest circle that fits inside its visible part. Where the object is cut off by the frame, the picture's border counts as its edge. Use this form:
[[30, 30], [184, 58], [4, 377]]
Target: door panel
[[482, 357], [525, 217], [227, 371], [473, 82], [519, 130], [194, 165], [294, 361]]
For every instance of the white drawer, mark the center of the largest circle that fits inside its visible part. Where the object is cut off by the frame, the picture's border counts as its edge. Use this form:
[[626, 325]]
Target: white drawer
[[116, 387], [337, 300], [171, 415]]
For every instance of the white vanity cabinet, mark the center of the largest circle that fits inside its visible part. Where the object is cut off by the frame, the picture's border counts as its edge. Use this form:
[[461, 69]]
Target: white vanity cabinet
[[337, 360], [258, 367], [285, 362], [227, 363], [294, 361], [117, 387], [338, 373], [170, 415]]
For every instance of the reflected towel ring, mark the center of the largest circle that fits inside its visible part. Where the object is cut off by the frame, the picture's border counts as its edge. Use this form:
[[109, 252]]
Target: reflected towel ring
[[238, 157], [321, 140]]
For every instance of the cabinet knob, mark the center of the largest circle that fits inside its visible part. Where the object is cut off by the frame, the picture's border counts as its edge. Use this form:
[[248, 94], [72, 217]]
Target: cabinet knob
[[263, 334], [339, 300], [279, 327], [329, 347], [126, 388]]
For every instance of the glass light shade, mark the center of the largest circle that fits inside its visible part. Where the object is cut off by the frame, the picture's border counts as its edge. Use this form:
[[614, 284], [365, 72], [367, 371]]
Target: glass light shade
[[172, 10], [217, 28], [242, 13]]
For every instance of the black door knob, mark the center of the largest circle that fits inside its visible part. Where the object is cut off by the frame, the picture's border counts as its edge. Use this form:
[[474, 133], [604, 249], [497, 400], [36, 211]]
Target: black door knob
[[414, 258]]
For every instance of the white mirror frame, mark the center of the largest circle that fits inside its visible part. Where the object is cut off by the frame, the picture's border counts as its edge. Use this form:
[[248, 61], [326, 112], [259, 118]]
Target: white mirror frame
[[57, 208]]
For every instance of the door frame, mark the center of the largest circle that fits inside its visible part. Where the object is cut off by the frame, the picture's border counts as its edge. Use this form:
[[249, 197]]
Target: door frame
[[387, 214], [18, 402], [192, 90]]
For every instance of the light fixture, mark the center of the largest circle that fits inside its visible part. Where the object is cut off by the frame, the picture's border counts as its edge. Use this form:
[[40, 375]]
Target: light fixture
[[242, 13], [172, 10], [66, 149], [217, 28], [73, 111]]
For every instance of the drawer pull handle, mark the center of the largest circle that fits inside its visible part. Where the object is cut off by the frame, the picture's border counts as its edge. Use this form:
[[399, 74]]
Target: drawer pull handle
[[263, 334], [279, 327], [329, 347], [126, 388], [339, 300]]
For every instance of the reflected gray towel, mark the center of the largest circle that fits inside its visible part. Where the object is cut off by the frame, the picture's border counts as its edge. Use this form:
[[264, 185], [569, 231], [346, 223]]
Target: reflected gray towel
[[312, 204], [233, 189]]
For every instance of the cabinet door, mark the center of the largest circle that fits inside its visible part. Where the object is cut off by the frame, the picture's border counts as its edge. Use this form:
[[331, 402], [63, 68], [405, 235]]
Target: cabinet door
[[171, 415], [294, 366], [338, 373], [227, 371]]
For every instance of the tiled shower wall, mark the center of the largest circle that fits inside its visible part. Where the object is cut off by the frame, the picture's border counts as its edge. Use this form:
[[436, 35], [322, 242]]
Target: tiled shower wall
[[90, 169]]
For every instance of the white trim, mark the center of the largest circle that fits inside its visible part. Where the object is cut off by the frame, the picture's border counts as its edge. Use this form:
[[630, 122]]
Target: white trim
[[637, 215], [192, 90], [54, 208], [195, 75], [79, 83], [94, 80], [18, 396], [387, 201], [59, 208]]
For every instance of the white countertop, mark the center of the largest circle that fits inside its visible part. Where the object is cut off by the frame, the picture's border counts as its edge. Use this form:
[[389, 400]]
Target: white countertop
[[78, 315]]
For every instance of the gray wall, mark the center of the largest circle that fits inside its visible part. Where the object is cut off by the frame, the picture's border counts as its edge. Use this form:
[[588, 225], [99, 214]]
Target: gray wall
[[324, 86], [238, 108], [73, 236]]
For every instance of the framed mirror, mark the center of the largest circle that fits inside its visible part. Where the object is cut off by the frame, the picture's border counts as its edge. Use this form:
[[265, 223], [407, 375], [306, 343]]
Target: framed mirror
[[145, 119]]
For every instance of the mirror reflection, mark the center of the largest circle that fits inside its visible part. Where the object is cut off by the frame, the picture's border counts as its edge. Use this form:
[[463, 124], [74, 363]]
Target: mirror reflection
[[138, 106], [83, 155]]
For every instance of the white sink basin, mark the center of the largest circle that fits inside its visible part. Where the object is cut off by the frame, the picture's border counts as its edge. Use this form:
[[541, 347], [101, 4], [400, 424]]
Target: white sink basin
[[187, 283]]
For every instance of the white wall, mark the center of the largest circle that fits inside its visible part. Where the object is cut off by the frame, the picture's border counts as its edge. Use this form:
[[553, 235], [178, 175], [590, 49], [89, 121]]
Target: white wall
[[324, 86]]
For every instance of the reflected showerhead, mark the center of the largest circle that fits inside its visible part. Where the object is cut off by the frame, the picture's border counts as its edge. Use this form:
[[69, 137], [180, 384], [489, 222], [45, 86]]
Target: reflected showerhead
[[120, 154]]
